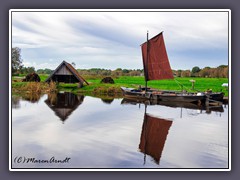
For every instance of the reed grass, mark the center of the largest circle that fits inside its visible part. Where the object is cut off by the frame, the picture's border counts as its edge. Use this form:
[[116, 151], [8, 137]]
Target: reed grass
[[33, 87]]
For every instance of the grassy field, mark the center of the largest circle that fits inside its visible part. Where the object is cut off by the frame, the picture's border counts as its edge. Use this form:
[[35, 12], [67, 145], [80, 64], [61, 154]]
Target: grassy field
[[95, 87]]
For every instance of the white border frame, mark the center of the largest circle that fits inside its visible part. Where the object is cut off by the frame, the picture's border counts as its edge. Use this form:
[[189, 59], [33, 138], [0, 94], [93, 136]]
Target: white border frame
[[124, 10]]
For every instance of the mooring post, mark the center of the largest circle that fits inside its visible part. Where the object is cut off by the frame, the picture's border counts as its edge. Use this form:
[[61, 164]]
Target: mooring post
[[207, 100], [192, 81]]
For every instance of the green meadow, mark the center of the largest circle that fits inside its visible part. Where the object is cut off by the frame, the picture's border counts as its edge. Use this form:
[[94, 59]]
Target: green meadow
[[95, 87]]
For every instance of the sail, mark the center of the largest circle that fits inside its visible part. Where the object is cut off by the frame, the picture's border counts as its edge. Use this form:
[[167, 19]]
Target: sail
[[154, 135], [156, 65]]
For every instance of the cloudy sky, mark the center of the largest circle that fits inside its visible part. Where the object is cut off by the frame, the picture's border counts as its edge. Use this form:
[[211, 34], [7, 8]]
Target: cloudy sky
[[112, 39]]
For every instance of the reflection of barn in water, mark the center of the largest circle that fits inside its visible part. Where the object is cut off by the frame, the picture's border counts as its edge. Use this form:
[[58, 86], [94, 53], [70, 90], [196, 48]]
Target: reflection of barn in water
[[63, 104], [153, 137]]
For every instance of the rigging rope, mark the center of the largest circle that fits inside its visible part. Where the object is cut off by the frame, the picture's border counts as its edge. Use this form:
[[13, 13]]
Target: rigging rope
[[182, 86]]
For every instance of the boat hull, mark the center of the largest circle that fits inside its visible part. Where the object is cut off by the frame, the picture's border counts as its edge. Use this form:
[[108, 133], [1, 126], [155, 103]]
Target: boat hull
[[135, 93], [162, 96], [216, 96]]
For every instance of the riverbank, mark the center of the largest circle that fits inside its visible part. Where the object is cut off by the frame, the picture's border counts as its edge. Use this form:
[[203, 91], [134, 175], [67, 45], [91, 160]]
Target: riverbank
[[95, 86]]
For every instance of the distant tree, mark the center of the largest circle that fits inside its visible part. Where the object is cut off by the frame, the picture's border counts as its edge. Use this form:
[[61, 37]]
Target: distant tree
[[178, 73], [119, 69], [117, 72], [74, 64], [186, 73], [40, 71], [27, 70], [222, 66], [16, 60], [47, 71], [215, 73], [225, 72], [222, 71], [125, 71], [134, 73], [195, 71], [205, 72]]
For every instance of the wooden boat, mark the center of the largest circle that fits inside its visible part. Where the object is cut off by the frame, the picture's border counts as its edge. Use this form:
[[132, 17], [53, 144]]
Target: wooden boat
[[215, 96], [137, 93], [132, 93], [181, 97], [157, 67]]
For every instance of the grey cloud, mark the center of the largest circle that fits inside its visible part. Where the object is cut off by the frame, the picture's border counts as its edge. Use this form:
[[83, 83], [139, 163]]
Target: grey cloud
[[117, 35]]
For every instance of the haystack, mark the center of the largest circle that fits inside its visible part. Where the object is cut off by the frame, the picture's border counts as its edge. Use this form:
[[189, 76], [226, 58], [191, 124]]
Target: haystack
[[107, 80], [32, 77]]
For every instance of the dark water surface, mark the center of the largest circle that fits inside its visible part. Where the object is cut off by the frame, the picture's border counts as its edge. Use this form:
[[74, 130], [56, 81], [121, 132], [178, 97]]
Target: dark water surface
[[88, 132]]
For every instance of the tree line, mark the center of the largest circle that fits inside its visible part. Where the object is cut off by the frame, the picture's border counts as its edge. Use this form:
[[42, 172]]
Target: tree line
[[218, 72], [108, 72]]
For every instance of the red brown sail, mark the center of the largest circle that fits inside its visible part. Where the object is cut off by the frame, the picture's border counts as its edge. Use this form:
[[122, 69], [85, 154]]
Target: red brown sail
[[155, 59]]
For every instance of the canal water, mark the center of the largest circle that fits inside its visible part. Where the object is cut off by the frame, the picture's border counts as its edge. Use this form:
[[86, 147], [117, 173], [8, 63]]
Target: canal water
[[68, 131]]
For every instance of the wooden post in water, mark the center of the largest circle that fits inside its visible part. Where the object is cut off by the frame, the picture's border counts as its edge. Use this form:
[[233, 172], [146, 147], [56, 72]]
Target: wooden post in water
[[207, 100]]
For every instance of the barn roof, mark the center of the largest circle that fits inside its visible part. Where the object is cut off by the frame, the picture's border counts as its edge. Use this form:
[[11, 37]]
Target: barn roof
[[71, 69]]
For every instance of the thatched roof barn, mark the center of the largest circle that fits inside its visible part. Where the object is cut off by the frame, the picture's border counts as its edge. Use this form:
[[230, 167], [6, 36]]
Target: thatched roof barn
[[66, 73]]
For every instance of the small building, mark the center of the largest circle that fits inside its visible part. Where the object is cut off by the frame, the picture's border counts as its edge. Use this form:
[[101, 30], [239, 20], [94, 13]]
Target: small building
[[66, 73]]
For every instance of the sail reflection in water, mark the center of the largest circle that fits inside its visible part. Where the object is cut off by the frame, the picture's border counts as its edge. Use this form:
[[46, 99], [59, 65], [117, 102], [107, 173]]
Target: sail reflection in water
[[63, 104], [156, 129], [153, 137]]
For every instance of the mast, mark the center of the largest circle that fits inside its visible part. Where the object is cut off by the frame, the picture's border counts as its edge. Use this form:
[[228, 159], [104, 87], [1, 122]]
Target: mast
[[145, 133], [146, 70]]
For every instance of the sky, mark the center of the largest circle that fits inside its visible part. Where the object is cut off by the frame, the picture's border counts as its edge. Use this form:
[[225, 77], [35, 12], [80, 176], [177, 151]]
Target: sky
[[112, 39]]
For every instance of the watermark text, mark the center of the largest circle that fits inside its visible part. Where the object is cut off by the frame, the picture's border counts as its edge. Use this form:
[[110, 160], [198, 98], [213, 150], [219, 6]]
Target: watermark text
[[28, 160]]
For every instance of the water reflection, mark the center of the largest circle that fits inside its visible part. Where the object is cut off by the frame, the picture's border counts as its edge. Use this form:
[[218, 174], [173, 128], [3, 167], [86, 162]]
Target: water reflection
[[32, 97], [107, 100], [63, 104], [153, 136], [16, 102], [185, 105], [156, 137], [156, 129]]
